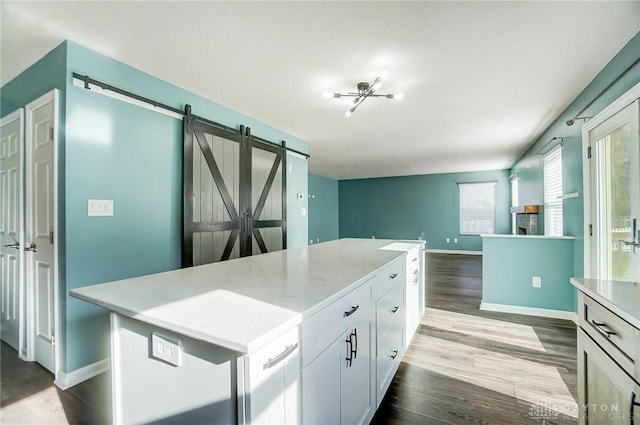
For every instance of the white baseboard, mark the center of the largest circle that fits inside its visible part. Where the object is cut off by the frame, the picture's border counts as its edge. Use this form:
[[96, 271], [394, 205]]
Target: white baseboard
[[530, 311], [453, 251], [66, 380]]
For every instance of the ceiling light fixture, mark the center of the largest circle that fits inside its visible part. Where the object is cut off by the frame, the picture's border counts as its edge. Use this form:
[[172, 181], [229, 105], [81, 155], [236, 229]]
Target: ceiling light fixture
[[365, 90]]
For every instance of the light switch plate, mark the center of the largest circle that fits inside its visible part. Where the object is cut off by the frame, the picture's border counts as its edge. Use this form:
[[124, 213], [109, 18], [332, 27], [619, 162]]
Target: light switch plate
[[166, 350], [303, 211], [100, 207]]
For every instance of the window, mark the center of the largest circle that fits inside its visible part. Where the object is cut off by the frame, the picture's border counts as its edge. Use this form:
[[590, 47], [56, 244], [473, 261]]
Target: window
[[553, 192], [477, 208], [514, 202]]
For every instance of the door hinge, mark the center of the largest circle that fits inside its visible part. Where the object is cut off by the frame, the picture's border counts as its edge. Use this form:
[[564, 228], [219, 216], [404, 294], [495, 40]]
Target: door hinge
[[53, 340], [50, 133], [591, 230], [51, 238], [589, 152]]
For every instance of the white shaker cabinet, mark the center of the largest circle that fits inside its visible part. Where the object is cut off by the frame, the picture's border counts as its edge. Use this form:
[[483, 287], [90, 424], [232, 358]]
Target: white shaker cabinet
[[415, 284], [337, 384], [271, 382]]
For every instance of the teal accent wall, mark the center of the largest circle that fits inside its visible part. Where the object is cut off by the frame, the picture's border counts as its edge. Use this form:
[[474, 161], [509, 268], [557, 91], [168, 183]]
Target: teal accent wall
[[412, 207], [110, 149], [509, 263], [323, 208], [133, 156], [297, 209], [529, 166]]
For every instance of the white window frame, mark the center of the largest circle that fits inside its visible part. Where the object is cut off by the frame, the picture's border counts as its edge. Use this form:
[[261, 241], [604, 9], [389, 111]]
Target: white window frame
[[515, 187], [481, 224], [553, 201]]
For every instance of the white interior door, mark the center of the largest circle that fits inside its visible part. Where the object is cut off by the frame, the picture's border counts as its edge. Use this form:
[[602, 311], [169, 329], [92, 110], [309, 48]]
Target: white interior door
[[11, 225], [40, 220], [615, 195]]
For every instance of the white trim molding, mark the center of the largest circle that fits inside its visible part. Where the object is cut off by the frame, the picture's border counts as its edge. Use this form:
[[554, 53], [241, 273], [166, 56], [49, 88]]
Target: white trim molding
[[453, 251], [66, 380], [530, 311]]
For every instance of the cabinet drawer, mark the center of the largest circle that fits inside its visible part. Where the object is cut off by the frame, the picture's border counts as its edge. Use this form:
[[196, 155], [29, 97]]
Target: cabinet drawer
[[389, 353], [413, 257], [616, 336], [319, 330], [389, 308], [393, 274]]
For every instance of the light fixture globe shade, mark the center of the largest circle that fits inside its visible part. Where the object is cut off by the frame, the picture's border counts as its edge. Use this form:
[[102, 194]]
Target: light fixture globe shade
[[398, 96], [383, 74], [327, 95], [348, 114]]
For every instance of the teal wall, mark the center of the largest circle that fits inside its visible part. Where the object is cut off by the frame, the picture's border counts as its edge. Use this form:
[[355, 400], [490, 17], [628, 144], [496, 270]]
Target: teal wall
[[412, 207], [323, 208], [529, 167], [114, 150], [509, 263], [133, 155]]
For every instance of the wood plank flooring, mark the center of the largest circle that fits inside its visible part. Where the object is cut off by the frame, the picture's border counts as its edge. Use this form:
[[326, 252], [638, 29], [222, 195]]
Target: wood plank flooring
[[464, 366]]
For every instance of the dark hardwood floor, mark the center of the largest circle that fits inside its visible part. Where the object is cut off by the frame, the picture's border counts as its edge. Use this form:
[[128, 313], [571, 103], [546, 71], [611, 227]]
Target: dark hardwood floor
[[464, 366]]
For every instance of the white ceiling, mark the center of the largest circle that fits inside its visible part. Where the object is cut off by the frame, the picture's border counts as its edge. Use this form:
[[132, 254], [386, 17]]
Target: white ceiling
[[481, 80]]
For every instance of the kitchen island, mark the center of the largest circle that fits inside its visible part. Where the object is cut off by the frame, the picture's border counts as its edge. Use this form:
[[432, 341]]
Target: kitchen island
[[274, 338]]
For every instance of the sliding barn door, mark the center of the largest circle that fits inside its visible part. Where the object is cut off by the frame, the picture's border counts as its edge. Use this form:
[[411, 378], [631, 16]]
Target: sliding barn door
[[268, 197], [234, 194]]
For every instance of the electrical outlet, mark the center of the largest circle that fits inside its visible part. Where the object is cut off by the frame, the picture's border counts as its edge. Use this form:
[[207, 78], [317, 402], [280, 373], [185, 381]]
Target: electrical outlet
[[536, 281], [303, 211], [310, 241], [166, 350], [317, 240], [455, 240], [447, 240]]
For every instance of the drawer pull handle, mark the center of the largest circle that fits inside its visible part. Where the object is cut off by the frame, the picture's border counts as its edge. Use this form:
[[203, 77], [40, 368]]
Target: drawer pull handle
[[393, 276], [634, 403], [394, 309], [350, 312], [280, 357], [414, 259], [394, 355], [601, 327]]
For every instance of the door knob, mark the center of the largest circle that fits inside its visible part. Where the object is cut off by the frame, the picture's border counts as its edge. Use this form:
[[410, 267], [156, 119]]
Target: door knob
[[31, 248], [13, 245]]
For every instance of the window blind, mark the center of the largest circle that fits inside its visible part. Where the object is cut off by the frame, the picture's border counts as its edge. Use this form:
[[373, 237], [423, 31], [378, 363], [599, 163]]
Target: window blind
[[477, 208], [553, 192]]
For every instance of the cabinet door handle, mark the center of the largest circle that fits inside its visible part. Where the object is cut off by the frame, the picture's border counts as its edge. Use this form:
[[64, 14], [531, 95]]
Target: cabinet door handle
[[393, 276], [394, 309], [634, 403], [355, 344], [414, 259], [280, 357], [350, 312], [601, 327], [349, 357], [394, 355]]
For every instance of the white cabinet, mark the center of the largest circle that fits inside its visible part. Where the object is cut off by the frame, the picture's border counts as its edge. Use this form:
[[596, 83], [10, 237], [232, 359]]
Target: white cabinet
[[271, 382], [414, 288], [608, 366], [389, 287], [337, 384]]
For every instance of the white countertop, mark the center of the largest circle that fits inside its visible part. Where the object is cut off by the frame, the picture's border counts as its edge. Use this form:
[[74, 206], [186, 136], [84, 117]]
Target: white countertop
[[623, 298], [510, 236], [242, 304]]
